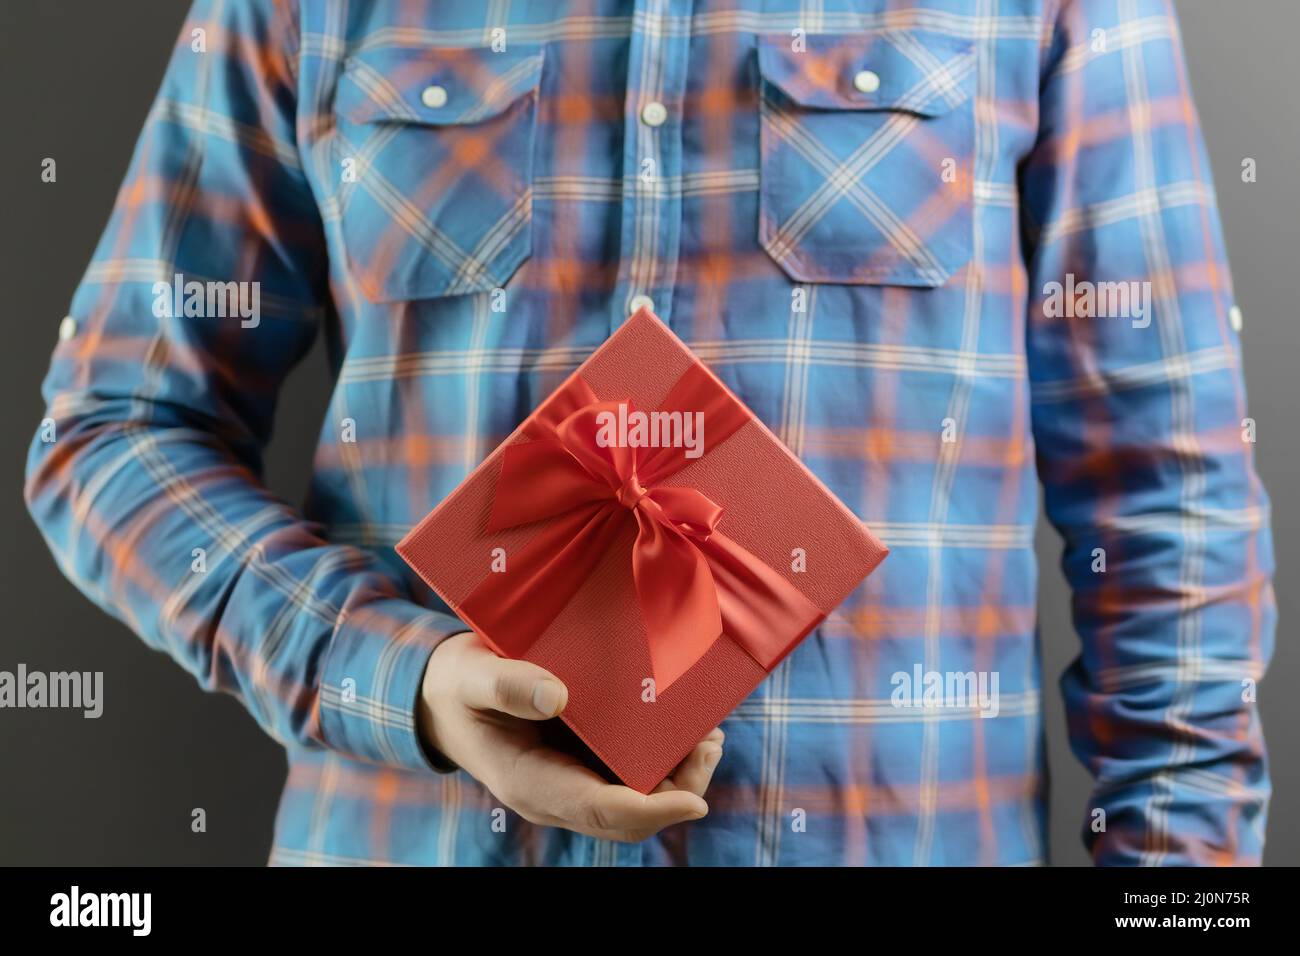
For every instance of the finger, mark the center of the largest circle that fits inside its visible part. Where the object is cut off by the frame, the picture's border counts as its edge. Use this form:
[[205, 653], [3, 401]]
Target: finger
[[578, 799], [696, 771], [517, 688], [623, 813]]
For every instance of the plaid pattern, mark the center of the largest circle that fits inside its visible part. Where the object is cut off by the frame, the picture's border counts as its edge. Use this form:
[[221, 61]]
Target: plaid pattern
[[848, 184], [864, 266]]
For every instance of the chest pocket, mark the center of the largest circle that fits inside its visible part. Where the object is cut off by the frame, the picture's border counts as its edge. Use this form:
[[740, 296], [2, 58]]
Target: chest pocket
[[437, 198], [866, 142]]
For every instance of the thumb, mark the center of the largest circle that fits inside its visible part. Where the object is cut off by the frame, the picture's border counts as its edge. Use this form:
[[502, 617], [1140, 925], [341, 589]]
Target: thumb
[[517, 688]]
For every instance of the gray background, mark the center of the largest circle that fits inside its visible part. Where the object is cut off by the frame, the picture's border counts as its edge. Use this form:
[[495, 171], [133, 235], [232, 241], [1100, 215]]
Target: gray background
[[76, 79]]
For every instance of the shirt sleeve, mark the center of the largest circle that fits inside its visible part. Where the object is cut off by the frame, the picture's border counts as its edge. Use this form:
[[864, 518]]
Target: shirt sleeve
[[145, 475], [1145, 444]]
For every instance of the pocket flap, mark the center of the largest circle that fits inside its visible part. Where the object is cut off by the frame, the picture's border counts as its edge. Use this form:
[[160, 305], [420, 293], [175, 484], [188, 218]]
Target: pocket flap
[[438, 86], [915, 70]]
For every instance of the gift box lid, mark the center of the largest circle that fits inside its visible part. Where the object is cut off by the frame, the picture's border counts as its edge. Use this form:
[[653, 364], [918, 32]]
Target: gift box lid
[[784, 551]]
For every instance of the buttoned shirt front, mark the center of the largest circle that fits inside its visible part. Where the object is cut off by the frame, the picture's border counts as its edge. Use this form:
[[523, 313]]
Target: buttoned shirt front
[[945, 250]]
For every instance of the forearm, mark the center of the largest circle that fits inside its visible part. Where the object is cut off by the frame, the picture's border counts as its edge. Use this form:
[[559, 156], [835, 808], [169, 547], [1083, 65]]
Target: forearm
[[159, 524]]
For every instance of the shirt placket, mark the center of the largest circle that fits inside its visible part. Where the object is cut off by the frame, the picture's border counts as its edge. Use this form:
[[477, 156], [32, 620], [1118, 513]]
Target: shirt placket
[[651, 207], [652, 159]]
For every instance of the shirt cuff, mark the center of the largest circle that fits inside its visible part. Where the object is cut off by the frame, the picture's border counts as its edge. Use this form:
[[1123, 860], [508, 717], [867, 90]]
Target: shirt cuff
[[370, 683]]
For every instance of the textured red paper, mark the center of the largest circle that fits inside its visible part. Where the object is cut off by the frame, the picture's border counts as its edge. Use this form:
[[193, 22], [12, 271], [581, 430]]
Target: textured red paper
[[597, 645]]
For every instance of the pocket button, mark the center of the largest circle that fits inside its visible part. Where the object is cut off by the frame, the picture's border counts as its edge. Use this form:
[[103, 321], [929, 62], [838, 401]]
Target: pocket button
[[866, 82], [434, 97]]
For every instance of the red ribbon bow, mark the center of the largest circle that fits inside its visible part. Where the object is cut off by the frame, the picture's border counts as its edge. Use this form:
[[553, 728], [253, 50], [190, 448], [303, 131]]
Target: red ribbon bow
[[693, 583]]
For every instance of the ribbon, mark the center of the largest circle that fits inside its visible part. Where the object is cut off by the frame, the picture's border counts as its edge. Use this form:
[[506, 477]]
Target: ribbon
[[693, 583]]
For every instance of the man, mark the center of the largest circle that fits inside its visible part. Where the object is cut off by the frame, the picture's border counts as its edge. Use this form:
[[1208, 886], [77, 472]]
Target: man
[[931, 244]]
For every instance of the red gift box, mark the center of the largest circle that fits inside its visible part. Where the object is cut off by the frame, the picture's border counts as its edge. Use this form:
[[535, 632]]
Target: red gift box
[[646, 539]]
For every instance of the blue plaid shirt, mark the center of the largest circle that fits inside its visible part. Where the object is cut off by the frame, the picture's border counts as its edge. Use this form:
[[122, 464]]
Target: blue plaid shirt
[[944, 249]]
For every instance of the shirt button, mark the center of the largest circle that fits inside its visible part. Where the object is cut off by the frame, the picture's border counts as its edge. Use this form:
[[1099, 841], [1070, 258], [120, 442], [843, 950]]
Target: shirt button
[[654, 114], [640, 302], [67, 328], [1234, 318], [434, 97], [866, 82]]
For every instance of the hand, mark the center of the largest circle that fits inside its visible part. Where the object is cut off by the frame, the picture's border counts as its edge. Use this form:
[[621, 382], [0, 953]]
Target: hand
[[480, 711]]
